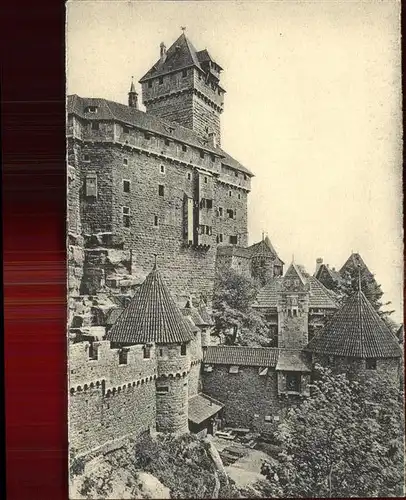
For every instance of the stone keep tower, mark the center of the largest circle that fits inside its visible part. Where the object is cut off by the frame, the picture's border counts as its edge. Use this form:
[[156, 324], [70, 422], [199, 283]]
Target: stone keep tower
[[184, 86], [152, 317], [293, 310]]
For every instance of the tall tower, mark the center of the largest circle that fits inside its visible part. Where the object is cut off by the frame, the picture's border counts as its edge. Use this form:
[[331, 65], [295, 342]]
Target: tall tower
[[293, 310], [153, 318], [184, 86], [132, 96]]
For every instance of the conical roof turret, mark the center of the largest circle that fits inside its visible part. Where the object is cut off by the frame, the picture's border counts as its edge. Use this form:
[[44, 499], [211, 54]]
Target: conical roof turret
[[151, 316], [356, 331]]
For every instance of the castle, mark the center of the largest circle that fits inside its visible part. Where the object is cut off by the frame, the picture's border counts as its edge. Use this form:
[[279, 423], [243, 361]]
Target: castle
[[155, 206]]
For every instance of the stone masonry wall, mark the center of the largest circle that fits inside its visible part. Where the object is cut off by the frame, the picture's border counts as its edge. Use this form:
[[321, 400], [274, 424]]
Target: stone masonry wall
[[172, 405], [247, 396]]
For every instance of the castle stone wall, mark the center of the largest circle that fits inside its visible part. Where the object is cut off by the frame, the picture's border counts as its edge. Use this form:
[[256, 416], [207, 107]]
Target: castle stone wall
[[172, 405]]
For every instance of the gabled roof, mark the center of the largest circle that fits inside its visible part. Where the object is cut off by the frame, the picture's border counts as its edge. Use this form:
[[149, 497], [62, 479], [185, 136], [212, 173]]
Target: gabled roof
[[241, 356], [201, 407], [295, 272], [151, 316], [319, 298], [114, 111], [354, 261], [334, 275], [180, 55], [264, 248], [356, 330]]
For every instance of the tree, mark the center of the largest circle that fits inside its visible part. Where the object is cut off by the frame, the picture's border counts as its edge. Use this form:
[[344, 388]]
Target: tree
[[233, 297], [345, 440]]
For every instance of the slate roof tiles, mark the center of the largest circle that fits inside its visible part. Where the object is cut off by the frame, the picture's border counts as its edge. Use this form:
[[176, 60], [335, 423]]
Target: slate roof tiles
[[241, 356], [356, 330]]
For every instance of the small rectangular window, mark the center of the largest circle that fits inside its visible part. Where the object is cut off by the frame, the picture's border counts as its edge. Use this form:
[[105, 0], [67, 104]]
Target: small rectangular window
[[230, 213], [209, 203], [184, 73], [233, 240], [239, 196], [86, 158], [230, 194], [126, 186], [236, 173], [161, 190], [147, 351], [293, 382], [95, 125], [370, 364], [162, 390], [189, 176], [205, 180], [147, 136], [161, 80], [123, 357], [125, 161], [213, 158], [93, 352], [220, 211], [162, 169], [167, 142], [91, 185], [184, 148], [245, 177], [183, 350], [126, 217], [156, 221], [221, 238], [201, 154], [126, 130], [149, 84]]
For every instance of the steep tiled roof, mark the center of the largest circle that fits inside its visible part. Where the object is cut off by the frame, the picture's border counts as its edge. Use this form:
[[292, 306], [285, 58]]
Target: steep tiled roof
[[334, 275], [320, 297], [264, 248], [241, 356], [181, 54], [356, 330], [354, 261], [110, 110], [291, 360], [202, 407], [151, 316]]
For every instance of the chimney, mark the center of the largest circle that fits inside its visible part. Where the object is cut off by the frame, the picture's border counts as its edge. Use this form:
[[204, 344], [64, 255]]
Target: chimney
[[319, 262], [162, 52], [213, 139]]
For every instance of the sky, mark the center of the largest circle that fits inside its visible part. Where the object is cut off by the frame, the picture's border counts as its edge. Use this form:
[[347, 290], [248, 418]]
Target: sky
[[313, 109]]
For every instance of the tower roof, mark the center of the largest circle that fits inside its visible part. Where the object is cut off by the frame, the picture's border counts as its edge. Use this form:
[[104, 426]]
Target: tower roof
[[132, 87], [264, 248], [180, 55], [354, 261], [151, 316], [357, 331]]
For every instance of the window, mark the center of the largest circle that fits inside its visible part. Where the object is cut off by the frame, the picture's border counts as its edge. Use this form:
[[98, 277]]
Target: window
[[86, 158], [212, 158], [91, 185], [156, 221], [147, 351], [162, 389], [201, 154], [93, 352], [206, 203], [245, 177], [123, 357], [126, 216], [184, 73], [161, 352], [293, 382], [230, 213], [239, 196], [125, 161], [161, 80], [161, 190], [126, 130], [92, 109], [236, 173], [184, 148], [183, 350], [233, 240], [205, 180], [220, 238], [234, 369], [95, 125], [126, 186], [268, 418], [220, 211], [189, 176], [147, 136], [370, 364], [162, 169], [149, 84], [229, 194], [167, 142], [209, 203]]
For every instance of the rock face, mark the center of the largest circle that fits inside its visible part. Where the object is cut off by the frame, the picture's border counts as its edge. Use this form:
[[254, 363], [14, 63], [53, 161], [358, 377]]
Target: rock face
[[101, 479]]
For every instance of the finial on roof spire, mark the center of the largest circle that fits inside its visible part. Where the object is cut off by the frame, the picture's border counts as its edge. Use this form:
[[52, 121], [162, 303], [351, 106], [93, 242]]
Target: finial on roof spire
[[183, 28]]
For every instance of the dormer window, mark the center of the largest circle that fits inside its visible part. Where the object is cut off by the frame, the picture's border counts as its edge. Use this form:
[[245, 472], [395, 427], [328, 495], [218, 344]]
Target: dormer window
[[91, 109]]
